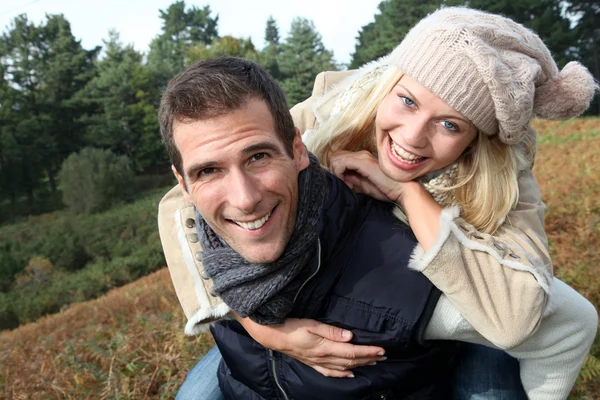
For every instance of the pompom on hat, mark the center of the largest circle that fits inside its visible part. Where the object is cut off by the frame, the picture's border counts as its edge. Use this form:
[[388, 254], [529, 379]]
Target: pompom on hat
[[492, 70]]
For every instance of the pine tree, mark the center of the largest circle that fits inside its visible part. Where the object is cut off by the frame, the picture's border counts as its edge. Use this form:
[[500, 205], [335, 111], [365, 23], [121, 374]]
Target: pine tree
[[120, 97], [271, 32], [545, 17], [181, 30], [272, 50], [303, 56], [392, 23], [46, 66], [587, 32]]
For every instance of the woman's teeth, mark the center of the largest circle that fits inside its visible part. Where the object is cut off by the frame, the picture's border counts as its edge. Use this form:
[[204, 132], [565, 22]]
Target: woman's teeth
[[403, 155], [254, 224]]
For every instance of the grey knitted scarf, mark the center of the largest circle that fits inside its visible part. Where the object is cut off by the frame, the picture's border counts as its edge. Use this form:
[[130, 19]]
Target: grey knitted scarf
[[265, 292]]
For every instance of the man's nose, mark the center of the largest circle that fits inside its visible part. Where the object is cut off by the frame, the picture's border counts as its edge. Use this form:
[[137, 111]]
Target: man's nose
[[244, 193]]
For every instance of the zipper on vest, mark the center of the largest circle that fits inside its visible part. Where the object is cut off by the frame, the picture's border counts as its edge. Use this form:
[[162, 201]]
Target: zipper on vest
[[274, 366], [314, 273]]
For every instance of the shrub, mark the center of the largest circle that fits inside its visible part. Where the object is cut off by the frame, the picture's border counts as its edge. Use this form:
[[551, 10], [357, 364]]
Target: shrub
[[9, 265], [39, 271], [94, 179]]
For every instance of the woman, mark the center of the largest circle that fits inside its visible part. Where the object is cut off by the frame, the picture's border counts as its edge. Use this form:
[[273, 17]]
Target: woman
[[492, 260]]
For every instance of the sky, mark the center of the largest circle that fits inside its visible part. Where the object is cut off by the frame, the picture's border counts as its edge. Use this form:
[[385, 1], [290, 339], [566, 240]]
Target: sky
[[137, 21]]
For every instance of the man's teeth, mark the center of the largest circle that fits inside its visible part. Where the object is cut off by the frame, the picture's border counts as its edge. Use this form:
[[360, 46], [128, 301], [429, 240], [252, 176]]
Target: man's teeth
[[254, 224], [404, 155]]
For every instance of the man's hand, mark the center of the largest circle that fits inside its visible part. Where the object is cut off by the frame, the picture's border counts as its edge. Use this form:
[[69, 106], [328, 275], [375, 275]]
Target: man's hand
[[320, 346]]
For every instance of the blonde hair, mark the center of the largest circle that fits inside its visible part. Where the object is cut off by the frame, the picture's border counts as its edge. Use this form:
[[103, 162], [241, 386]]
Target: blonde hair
[[353, 128], [486, 187]]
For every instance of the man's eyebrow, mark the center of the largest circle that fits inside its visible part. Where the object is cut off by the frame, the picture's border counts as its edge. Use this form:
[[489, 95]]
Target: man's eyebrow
[[257, 147]]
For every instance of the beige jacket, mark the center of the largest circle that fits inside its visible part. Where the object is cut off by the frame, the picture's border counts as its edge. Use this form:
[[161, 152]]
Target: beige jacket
[[499, 283]]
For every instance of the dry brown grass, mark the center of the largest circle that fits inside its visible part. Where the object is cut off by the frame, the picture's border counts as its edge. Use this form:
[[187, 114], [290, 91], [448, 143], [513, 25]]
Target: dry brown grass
[[129, 343]]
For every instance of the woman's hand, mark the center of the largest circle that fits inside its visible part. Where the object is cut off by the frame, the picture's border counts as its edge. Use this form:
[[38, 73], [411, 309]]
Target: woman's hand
[[320, 346], [361, 172]]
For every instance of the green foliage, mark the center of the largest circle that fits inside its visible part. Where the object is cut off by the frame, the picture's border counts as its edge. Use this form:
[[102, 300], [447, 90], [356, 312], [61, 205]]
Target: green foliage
[[42, 67], [223, 46], [271, 32], [392, 23], [545, 17], [10, 265], [93, 179], [122, 116], [587, 35], [56, 260], [181, 30], [303, 56]]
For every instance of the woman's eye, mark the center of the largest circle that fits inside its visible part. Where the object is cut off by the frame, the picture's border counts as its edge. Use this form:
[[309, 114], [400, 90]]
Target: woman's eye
[[407, 101], [450, 126]]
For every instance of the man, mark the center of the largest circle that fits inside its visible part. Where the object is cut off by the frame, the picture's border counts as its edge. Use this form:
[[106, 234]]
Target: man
[[283, 238]]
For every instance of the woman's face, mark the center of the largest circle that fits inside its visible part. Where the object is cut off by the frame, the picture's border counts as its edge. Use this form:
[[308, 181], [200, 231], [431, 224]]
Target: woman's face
[[418, 133]]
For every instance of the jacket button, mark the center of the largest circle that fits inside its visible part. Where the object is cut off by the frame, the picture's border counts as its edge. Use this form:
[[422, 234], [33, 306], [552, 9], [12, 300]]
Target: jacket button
[[514, 256], [478, 237], [496, 245], [199, 256], [204, 276], [190, 222], [193, 238]]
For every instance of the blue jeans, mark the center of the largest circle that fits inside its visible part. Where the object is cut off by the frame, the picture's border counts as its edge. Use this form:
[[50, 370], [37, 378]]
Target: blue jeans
[[482, 373], [201, 383]]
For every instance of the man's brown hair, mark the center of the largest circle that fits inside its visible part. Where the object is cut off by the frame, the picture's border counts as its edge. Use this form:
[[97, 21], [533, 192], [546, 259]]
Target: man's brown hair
[[214, 87]]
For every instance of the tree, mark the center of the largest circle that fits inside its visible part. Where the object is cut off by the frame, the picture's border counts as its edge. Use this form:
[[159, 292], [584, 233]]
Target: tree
[[392, 23], [122, 117], [44, 66], [271, 32], [587, 32], [94, 179], [181, 29], [545, 17], [224, 46], [272, 49], [303, 56]]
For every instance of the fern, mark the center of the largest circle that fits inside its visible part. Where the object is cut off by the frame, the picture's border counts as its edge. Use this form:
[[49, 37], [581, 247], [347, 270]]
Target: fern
[[590, 369]]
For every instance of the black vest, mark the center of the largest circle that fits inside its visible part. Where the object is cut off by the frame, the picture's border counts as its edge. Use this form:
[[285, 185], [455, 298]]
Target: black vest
[[362, 283]]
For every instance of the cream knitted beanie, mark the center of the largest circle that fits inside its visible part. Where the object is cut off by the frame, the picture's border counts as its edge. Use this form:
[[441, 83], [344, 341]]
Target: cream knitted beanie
[[494, 71]]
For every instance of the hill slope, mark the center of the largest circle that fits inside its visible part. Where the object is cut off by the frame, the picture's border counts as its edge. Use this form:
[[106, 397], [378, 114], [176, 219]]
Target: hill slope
[[126, 344]]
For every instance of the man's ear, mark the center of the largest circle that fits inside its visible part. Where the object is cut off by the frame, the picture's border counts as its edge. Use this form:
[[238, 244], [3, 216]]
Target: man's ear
[[300, 152], [182, 184]]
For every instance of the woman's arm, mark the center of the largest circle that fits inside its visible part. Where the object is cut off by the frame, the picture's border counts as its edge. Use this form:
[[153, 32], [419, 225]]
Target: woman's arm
[[499, 283], [550, 359]]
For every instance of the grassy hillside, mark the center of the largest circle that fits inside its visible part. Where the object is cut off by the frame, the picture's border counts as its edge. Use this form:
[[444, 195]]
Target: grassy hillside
[[129, 343], [126, 344]]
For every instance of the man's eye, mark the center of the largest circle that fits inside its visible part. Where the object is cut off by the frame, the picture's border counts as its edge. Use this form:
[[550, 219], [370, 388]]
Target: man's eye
[[258, 157], [207, 171]]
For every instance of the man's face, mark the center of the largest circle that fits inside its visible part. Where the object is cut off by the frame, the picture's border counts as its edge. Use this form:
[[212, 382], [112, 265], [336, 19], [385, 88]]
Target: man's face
[[241, 179]]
